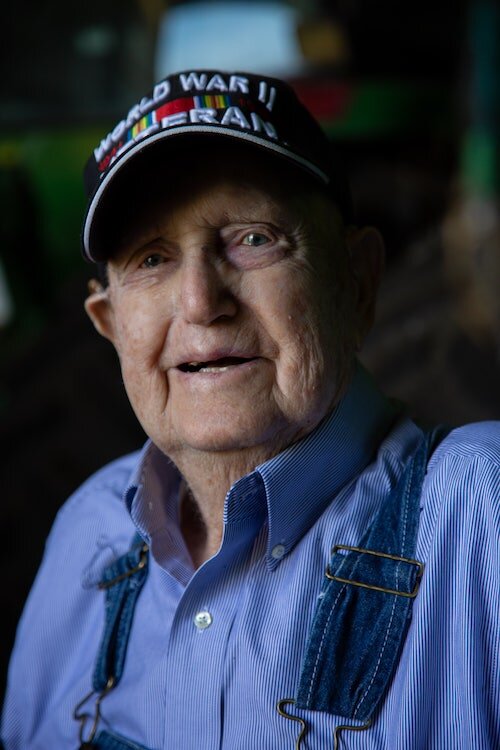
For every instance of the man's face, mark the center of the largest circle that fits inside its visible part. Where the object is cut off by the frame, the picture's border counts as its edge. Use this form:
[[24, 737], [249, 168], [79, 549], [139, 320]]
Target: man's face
[[231, 306]]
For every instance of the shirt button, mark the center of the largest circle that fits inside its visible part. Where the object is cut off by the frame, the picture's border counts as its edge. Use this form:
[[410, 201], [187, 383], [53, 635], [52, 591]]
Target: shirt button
[[203, 620], [278, 551]]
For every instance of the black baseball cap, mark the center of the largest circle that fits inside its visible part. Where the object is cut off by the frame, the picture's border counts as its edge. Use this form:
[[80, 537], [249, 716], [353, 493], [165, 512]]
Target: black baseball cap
[[253, 109]]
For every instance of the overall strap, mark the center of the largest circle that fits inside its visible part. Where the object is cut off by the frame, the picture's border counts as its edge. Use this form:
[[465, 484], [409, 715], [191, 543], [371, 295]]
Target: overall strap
[[122, 582], [364, 608]]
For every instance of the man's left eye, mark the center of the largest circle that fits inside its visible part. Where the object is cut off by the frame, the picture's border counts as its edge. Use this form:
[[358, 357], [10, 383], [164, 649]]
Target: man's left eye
[[255, 239]]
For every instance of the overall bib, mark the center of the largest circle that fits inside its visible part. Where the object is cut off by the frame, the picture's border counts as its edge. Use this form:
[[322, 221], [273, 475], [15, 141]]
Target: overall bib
[[358, 629]]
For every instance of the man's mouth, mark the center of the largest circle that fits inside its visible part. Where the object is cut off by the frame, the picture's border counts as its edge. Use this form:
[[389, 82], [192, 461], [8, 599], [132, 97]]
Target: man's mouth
[[216, 365]]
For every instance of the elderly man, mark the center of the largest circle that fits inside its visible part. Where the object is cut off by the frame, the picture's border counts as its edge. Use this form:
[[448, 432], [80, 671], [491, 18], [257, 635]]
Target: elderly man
[[290, 561]]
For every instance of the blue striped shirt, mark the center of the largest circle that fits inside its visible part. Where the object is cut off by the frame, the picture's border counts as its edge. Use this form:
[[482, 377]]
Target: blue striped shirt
[[212, 651]]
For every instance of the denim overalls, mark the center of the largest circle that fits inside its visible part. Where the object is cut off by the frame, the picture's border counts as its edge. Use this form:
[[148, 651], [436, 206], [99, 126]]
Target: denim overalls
[[358, 629]]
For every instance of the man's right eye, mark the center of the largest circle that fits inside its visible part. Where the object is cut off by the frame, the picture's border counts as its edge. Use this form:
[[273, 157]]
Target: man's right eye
[[153, 260]]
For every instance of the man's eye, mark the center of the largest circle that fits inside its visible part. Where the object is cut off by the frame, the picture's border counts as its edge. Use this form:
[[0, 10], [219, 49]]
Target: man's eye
[[255, 239], [152, 260]]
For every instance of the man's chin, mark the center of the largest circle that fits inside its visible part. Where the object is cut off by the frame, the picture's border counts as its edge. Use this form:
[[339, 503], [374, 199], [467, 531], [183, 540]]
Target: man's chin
[[218, 440]]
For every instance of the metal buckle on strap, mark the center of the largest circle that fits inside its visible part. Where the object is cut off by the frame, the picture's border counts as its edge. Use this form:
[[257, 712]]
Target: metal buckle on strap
[[280, 708], [84, 717], [372, 587], [143, 561]]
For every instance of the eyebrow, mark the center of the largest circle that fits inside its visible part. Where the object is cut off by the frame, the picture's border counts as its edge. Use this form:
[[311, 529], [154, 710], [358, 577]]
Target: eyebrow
[[267, 212]]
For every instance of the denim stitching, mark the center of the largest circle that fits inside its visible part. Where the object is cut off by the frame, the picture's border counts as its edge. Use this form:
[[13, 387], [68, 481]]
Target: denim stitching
[[398, 567], [378, 662], [408, 493], [327, 623], [405, 523], [322, 643]]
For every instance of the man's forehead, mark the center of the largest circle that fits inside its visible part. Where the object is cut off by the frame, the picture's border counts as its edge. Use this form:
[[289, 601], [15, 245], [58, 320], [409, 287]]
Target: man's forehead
[[254, 181], [215, 199]]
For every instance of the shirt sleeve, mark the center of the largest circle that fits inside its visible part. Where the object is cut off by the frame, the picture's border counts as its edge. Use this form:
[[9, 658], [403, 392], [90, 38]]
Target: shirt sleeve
[[460, 536], [90, 530]]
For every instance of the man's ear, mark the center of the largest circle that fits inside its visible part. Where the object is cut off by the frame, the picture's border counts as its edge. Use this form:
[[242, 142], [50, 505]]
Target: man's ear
[[367, 257], [98, 308]]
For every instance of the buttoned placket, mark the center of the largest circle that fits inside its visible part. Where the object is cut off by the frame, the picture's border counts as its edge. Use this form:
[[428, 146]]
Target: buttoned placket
[[204, 619]]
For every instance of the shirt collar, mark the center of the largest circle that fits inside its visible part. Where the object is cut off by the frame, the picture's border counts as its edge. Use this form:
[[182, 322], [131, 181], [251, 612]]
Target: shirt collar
[[151, 497], [295, 486]]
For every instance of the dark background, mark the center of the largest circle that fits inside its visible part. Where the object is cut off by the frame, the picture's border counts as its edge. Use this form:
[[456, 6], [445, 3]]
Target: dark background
[[420, 128]]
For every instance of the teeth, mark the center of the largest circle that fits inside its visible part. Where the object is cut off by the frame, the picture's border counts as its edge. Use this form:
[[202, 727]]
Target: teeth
[[207, 367]]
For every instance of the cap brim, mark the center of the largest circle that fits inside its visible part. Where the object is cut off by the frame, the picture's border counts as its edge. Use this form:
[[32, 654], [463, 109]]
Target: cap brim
[[97, 205]]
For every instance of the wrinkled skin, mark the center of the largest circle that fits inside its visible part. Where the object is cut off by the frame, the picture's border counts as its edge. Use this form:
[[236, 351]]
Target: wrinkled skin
[[241, 270]]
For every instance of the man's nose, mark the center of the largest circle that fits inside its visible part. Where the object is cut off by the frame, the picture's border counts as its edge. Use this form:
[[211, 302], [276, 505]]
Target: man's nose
[[205, 293]]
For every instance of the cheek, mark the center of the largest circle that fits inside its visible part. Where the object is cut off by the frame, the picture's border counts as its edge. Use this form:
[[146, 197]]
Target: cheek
[[309, 325], [139, 341], [294, 324], [306, 365]]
